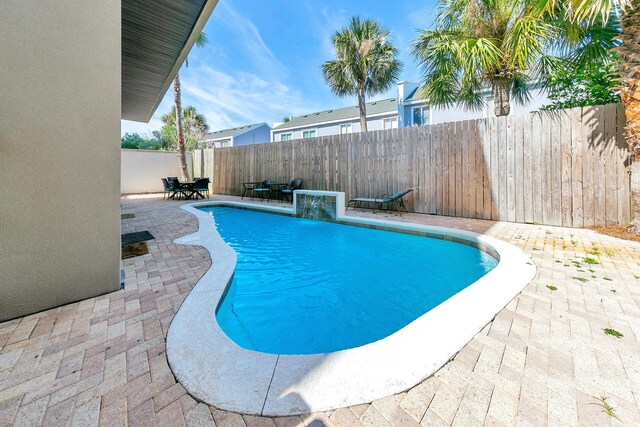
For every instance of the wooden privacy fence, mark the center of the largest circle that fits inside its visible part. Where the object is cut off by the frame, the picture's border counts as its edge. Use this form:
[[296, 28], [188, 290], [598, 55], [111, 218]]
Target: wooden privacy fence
[[566, 168]]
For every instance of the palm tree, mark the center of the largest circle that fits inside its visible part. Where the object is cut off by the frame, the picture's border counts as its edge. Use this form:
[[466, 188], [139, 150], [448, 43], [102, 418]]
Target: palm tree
[[365, 63], [628, 70], [201, 41], [506, 45], [194, 125]]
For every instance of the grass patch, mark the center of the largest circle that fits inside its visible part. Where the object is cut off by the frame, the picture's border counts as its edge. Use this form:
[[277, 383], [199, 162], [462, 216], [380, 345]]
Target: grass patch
[[608, 279], [580, 279], [613, 332], [589, 260], [558, 261], [552, 288]]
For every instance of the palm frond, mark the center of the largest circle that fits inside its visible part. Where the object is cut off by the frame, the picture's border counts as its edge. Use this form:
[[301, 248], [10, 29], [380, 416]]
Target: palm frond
[[365, 58], [520, 88]]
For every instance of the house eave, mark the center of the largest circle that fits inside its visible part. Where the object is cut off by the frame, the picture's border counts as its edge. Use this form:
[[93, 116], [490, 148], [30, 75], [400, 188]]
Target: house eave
[[133, 108]]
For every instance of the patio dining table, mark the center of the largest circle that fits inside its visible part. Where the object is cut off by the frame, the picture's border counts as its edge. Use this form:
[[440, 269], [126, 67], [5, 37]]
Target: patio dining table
[[191, 192], [277, 188], [248, 186]]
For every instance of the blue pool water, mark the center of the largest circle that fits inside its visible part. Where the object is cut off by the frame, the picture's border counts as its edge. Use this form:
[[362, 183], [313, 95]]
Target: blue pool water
[[305, 287]]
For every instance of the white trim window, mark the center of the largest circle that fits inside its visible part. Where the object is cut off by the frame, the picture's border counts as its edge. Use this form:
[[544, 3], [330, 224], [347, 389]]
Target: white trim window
[[390, 123], [222, 144], [420, 116], [346, 128], [309, 134], [286, 136]]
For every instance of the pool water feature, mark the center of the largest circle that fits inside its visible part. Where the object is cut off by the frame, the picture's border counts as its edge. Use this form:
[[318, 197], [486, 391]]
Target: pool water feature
[[306, 287]]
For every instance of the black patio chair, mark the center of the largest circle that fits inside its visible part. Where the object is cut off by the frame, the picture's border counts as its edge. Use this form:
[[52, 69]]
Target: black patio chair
[[287, 192], [201, 185], [262, 190], [394, 199], [175, 187], [167, 188]]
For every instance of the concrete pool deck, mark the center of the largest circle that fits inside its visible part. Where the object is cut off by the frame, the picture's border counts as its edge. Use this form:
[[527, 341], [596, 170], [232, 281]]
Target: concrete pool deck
[[217, 371], [544, 359]]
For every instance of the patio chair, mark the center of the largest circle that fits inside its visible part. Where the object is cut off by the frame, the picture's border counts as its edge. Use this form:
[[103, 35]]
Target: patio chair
[[201, 185], [394, 199], [263, 189], [167, 188], [175, 187], [296, 184]]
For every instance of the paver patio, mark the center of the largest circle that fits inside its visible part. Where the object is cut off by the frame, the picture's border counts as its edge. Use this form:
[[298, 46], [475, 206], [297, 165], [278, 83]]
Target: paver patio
[[544, 359]]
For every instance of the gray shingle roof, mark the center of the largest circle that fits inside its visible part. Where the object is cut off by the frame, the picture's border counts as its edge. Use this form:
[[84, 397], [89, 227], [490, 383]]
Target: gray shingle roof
[[228, 133], [414, 95], [376, 107]]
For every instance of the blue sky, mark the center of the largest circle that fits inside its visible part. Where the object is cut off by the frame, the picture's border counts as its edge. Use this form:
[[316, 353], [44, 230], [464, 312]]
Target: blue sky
[[263, 59]]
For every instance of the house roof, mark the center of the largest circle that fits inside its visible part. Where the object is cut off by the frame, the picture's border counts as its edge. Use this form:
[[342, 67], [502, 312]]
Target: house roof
[[156, 37], [228, 133], [414, 95], [339, 114]]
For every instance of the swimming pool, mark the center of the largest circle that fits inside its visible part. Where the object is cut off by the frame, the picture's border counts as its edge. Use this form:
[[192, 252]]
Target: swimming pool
[[307, 287], [215, 369]]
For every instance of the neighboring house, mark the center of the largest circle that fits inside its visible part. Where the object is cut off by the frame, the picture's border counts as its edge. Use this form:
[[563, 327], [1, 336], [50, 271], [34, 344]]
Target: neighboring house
[[258, 133], [413, 111], [380, 115], [405, 110], [70, 71]]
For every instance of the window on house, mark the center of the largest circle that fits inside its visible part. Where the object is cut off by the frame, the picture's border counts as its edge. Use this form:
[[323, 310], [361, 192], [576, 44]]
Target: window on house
[[286, 137], [391, 123], [222, 144], [309, 134], [421, 116], [346, 128]]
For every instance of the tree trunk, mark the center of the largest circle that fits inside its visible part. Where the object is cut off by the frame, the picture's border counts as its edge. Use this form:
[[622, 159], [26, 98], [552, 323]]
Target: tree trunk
[[362, 106], [501, 89], [629, 68], [184, 170]]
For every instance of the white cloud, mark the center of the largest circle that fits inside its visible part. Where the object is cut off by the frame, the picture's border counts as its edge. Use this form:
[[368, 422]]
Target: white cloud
[[247, 33], [242, 98], [325, 22]]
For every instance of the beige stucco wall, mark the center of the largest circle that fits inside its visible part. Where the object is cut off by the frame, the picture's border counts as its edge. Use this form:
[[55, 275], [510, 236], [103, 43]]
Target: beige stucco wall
[[59, 152], [142, 170]]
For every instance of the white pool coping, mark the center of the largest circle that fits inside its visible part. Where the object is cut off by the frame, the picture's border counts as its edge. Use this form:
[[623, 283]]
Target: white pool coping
[[215, 370]]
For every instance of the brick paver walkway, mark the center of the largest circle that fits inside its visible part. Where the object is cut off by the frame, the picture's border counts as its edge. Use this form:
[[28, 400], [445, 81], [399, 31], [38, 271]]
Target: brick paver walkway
[[544, 360]]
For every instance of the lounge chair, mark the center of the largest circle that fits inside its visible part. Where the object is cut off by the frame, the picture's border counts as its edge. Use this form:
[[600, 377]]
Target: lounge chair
[[262, 190], [394, 199], [296, 184]]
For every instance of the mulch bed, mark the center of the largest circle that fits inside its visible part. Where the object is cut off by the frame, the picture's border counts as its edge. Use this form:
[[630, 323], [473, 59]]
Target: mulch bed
[[130, 250], [619, 231]]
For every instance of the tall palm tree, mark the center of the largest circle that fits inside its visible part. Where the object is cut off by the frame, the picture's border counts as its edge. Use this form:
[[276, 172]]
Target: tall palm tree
[[201, 41], [628, 69], [194, 124], [506, 45], [365, 63]]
